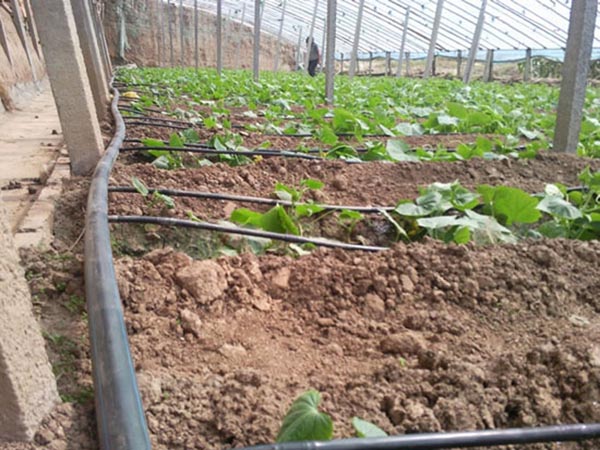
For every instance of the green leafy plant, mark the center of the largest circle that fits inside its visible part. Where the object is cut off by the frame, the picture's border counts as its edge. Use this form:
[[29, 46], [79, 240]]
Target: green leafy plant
[[304, 421], [154, 199]]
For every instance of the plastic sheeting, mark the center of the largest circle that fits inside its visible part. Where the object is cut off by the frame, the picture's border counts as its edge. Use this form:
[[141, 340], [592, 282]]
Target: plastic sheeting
[[509, 24]]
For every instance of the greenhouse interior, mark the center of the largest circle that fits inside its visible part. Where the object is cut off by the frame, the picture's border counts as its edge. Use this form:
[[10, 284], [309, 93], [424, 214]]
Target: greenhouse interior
[[299, 224]]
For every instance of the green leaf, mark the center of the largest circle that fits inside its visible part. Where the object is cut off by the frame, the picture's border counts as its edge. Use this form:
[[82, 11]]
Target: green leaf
[[446, 120], [366, 429], [245, 216], [462, 235], [398, 151], [348, 215], [308, 210], [558, 207], [312, 184], [343, 121], [437, 222], [304, 421], [148, 142], [287, 193], [327, 136], [277, 220], [176, 141], [139, 186], [387, 131], [515, 205]]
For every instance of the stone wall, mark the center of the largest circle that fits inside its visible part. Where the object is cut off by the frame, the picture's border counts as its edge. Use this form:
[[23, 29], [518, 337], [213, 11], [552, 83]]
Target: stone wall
[[144, 38]]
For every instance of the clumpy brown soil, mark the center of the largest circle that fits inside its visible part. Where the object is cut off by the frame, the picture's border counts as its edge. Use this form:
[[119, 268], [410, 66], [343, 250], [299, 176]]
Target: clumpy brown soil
[[423, 337]]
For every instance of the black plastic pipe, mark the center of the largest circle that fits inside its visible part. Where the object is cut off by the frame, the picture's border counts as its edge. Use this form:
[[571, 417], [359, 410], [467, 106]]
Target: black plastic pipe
[[169, 221], [214, 151], [119, 412], [157, 125], [248, 199], [466, 439]]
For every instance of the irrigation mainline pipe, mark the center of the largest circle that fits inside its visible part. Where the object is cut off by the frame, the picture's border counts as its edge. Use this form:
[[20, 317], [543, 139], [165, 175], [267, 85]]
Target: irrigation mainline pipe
[[464, 439], [248, 199], [119, 412], [169, 221], [214, 151]]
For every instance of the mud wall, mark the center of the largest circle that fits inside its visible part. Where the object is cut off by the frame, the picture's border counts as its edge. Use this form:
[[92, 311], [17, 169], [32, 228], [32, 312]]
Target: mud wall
[[17, 72], [148, 44]]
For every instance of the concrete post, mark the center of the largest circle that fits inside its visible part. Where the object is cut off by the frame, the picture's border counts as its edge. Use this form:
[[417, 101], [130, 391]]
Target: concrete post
[[434, 66], [279, 33], [160, 32], [527, 68], [342, 63], [388, 63], [122, 28], [330, 57], [475, 43], [403, 43], [91, 56], [354, 56], [170, 25], [488, 73], [239, 38], [103, 44], [256, 54], [407, 58], [575, 71], [323, 43], [196, 56], [70, 85], [311, 33], [459, 59], [32, 30], [18, 19], [299, 52], [181, 36], [4, 42], [370, 63], [433, 40], [219, 37], [27, 385]]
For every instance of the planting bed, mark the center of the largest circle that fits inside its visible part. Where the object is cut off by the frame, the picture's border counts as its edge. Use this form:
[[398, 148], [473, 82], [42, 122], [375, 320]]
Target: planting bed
[[425, 336]]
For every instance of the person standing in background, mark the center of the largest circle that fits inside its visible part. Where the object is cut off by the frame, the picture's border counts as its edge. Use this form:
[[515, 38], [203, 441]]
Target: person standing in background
[[314, 58]]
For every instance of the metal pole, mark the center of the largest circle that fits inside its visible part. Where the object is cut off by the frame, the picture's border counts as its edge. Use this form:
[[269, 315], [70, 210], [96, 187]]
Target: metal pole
[[475, 43], [278, 47], [310, 35], [323, 43], [527, 68], [227, 30], [196, 56], [370, 63], [407, 58], [170, 24], [458, 63], [403, 43], [219, 37], [488, 74], [330, 60], [342, 63], [239, 38], [181, 36], [575, 71], [388, 63], [354, 56], [299, 55], [256, 60], [161, 34], [433, 40]]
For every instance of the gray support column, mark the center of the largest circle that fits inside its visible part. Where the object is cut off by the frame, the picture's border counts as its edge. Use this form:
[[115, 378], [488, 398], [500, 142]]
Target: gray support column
[[324, 43], [459, 59], [196, 57], [219, 37], [310, 34], [488, 73], [170, 26], [27, 385], [403, 43], [239, 38], [342, 63], [330, 57], [122, 28], [407, 58], [370, 63], [161, 33], [299, 52], [433, 40], [31, 28], [256, 54], [354, 55], [181, 36], [388, 63], [475, 43], [575, 71], [19, 24], [4, 42], [279, 33], [527, 68], [91, 56], [70, 85], [103, 44]]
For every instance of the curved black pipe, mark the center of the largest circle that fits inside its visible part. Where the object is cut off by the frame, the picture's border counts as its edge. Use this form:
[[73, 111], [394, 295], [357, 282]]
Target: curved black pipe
[[214, 151], [119, 412], [465, 439], [169, 221]]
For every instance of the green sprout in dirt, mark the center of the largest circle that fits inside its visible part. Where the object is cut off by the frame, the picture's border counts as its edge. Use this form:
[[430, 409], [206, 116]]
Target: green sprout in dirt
[[154, 199]]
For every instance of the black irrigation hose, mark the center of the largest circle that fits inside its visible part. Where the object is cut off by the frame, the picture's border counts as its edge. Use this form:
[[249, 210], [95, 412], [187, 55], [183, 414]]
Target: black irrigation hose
[[247, 199], [163, 125], [119, 411], [213, 151], [465, 439], [169, 221], [156, 119]]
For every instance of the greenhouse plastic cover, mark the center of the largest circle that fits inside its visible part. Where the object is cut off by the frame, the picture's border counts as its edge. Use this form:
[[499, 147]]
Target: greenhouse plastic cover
[[509, 24]]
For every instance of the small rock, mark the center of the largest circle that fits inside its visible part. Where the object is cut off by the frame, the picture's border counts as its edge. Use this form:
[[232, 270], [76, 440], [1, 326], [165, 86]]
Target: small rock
[[204, 280], [595, 356], [232, 351], [339, 183], [150, 388], [408, 343], [281, 279], [44, 437], [407, 284], [336, 349], [374, 304], [190, 322]]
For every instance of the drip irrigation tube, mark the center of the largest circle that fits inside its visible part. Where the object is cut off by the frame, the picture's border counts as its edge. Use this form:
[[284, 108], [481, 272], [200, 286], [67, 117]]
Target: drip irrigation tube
[[168, 221], [119, 412], [247, 199], [466, 439], [213, 151], [163, 125]]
